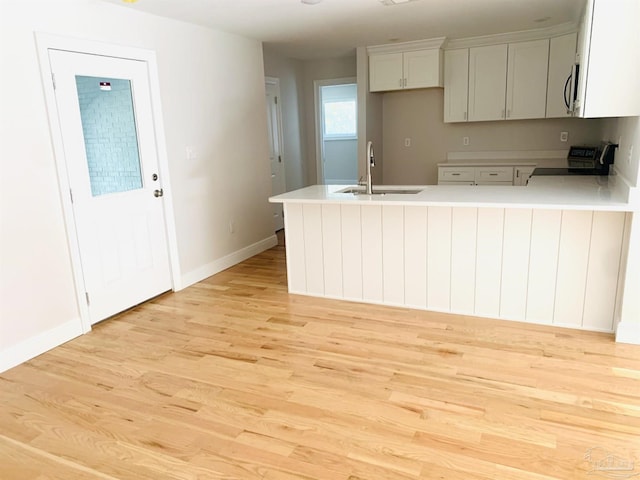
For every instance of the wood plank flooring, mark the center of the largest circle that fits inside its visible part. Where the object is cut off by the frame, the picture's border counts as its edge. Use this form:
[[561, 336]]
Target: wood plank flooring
[[233, 378]]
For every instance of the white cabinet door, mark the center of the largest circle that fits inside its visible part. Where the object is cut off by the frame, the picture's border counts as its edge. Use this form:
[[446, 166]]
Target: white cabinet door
[[527, 79], [487, 82], [456, 85], [562, 55], [385, 72], [609, 60], [422, 68]]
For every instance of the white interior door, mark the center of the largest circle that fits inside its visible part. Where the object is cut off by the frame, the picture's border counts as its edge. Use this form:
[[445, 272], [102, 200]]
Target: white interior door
[[274, 125], [105, 115]]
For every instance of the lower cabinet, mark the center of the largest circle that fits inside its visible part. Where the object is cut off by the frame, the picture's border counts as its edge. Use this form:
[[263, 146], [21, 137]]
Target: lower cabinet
[[505, 175]]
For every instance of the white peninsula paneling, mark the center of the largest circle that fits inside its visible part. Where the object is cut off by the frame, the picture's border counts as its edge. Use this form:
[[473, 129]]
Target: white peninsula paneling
[[393, 254], [439, 258], [559, 267], [573, 259], [372, 283], [489, 261], [543, 265], [294, 228], [604, 265], [515, 262], [351, 234], [332, 250], [464, 223], [313, 248], [415, 256]]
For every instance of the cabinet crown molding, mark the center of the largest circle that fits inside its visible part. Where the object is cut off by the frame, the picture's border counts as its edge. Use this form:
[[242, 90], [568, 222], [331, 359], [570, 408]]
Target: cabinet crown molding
[[408, 46], [512, 37]]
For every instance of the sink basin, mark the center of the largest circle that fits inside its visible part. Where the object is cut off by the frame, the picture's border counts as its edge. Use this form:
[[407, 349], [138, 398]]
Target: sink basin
[[381, 191]]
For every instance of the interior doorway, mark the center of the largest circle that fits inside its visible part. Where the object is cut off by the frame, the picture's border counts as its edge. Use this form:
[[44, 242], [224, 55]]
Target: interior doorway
[[103, 105], [274, 127], [336, 107]]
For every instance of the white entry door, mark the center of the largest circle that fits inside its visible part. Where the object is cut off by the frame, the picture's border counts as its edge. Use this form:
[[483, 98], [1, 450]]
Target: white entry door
[[105, 114], [274, 124]]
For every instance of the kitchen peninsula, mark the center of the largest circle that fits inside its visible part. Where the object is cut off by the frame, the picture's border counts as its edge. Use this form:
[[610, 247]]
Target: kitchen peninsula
[[550, 253]]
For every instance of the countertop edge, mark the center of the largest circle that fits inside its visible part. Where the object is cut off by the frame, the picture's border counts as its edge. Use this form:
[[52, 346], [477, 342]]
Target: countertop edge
[[570, 194]]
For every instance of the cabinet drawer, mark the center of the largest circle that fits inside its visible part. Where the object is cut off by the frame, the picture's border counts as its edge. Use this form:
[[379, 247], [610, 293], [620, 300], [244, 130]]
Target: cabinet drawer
[[445, 182], [487, 182], [494, 174], [456, 174]]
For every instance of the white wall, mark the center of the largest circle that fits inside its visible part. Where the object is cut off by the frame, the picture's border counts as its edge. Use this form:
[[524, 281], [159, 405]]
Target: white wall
[[290, 73], [626, 131], [418, 114], [212, 89]]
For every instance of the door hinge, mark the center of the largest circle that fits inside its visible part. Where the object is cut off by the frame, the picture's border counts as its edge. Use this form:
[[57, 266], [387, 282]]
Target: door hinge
[[53, 80], [71, 195], [276, 99], [86, 296]]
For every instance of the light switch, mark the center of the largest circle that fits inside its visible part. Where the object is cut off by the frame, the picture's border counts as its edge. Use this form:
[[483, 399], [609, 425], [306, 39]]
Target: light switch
[[407, 142], [564, 136]]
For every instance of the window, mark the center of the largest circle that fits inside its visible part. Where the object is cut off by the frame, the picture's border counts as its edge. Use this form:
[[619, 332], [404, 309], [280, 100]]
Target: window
[[339, 112], [340, 119]]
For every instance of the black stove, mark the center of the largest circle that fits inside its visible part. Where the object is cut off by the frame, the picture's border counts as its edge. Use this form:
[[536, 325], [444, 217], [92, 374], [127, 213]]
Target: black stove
[[583, 160], [571, 171]]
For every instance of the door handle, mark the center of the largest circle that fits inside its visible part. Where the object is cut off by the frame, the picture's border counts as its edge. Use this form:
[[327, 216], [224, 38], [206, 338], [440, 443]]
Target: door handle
[[158, 193]]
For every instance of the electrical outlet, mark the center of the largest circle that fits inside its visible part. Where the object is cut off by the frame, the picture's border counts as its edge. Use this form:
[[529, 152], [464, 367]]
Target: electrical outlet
[[465, 141], [564, 136], [407, 142]]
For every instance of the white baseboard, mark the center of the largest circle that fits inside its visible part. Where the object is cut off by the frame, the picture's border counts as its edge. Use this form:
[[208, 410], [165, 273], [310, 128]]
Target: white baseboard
[[34, 346], [227, 261], [628, 332]]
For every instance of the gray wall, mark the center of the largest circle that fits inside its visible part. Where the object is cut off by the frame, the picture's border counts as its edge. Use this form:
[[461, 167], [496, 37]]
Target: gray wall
[[339, 165], [418, 115]]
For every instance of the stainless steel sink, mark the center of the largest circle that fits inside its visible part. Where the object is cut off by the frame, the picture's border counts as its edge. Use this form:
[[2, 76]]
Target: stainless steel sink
[[381, 191]]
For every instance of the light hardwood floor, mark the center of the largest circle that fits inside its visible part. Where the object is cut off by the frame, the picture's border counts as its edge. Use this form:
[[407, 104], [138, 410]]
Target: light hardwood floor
[[233, 378]]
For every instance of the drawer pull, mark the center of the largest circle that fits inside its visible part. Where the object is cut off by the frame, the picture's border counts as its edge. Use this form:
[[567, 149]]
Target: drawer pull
[[455, 174], [493, 174]]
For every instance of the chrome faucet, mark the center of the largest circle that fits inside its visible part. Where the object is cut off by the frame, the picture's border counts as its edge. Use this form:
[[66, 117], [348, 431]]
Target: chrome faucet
[[371, 162]]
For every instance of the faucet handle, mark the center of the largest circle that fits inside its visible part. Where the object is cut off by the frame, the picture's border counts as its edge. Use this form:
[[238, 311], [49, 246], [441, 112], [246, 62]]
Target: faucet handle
[[362, 182]]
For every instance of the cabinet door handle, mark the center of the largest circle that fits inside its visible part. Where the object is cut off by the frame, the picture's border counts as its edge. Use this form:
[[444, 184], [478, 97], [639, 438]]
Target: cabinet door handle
[[405, 82], [465, 115], [401, 82], [502, 114]]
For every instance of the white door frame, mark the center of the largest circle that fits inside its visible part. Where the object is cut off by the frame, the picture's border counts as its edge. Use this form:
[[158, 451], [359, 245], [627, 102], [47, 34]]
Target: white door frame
[[275, 82], [317, 84], [46, 42]]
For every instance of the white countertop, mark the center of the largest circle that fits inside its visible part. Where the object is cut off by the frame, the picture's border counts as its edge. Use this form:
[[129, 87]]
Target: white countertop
[[550, 192]]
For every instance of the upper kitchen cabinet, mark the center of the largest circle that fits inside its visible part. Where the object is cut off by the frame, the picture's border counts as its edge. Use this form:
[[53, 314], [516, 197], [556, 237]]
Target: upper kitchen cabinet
[[511, 76], [406, 65], [562, 56], [609, 63], [487, 82], [527, 79], [456, 85]]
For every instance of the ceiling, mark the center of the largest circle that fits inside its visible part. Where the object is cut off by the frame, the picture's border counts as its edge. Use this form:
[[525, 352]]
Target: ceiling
[[333, 28]]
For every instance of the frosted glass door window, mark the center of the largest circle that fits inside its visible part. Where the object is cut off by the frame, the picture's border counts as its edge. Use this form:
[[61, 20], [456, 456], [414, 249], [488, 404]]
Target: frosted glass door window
[[110, 136]]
